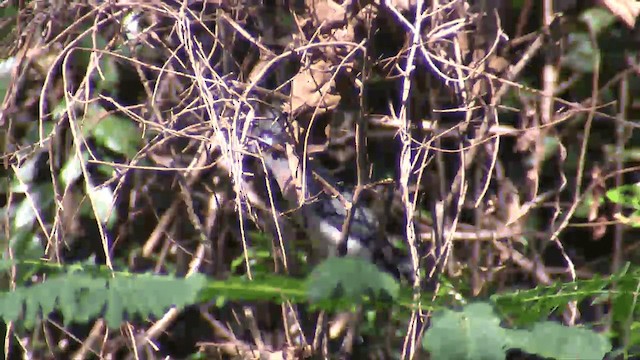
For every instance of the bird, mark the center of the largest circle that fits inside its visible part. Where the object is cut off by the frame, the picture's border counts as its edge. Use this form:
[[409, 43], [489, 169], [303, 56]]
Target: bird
[[322, 201]]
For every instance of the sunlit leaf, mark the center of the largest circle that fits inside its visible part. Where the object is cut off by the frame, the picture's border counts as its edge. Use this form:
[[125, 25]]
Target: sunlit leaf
[[81, 295], [597, 19], [72, 169], [118, 134], [475, 333], [349, 279], [103, 200], [40, 197], [628, 195]]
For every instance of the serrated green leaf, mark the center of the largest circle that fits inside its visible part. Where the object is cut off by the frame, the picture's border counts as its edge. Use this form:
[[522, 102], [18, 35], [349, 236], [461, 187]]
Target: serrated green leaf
[[624, 299], [529, 306], [90, 303], [115, 311], [11, 307], [349, 279], [83, 294]]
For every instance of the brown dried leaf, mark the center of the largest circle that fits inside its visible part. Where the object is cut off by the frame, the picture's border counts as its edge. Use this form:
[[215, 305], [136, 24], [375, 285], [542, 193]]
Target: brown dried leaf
[[312, 88], [327, 13], [597, 192], [402, 5], [530, 142], [625, 10], [336, 53], [599, 230]]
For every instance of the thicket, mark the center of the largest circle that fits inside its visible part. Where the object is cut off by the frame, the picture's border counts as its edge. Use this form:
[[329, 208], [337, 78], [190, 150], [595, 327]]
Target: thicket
[[496, 141]]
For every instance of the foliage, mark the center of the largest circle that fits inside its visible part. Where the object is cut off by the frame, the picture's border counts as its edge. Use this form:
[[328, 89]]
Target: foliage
[[531, 305], [629, 197], [475, 333], [82, 293], [349, 280], [117, 126]]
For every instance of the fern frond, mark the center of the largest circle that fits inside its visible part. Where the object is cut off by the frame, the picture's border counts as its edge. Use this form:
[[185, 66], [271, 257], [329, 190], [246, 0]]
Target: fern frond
[[81, 296]]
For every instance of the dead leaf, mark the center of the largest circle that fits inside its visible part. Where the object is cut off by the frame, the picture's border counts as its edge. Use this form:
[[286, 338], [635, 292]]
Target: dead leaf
[[597, 192], [600, 229], [313, 88], [401, 5], [327, 13], [625, 10], [594, 216]]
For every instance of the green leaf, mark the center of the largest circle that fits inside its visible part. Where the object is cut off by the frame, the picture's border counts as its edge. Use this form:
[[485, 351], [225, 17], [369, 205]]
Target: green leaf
[[118, 134], [88, 291], [41, 197], [624, 299], [8, 10], [25, 215], [627, 195], [26, 244], [349, 280], [149, 295], [580, 54], [473, 333], [109, 75], [634, 334], [72, 169], [261, 288], [6, 67], [103, 200], [25, 175], [528, 306], [550, 339], [597, 19]]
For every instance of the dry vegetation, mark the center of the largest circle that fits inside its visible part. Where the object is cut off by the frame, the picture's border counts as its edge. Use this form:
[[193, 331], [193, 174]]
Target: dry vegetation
[[483, 146]]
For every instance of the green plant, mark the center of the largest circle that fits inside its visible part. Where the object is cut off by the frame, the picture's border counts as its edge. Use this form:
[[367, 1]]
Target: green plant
[[475, 333], [83, 292]]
